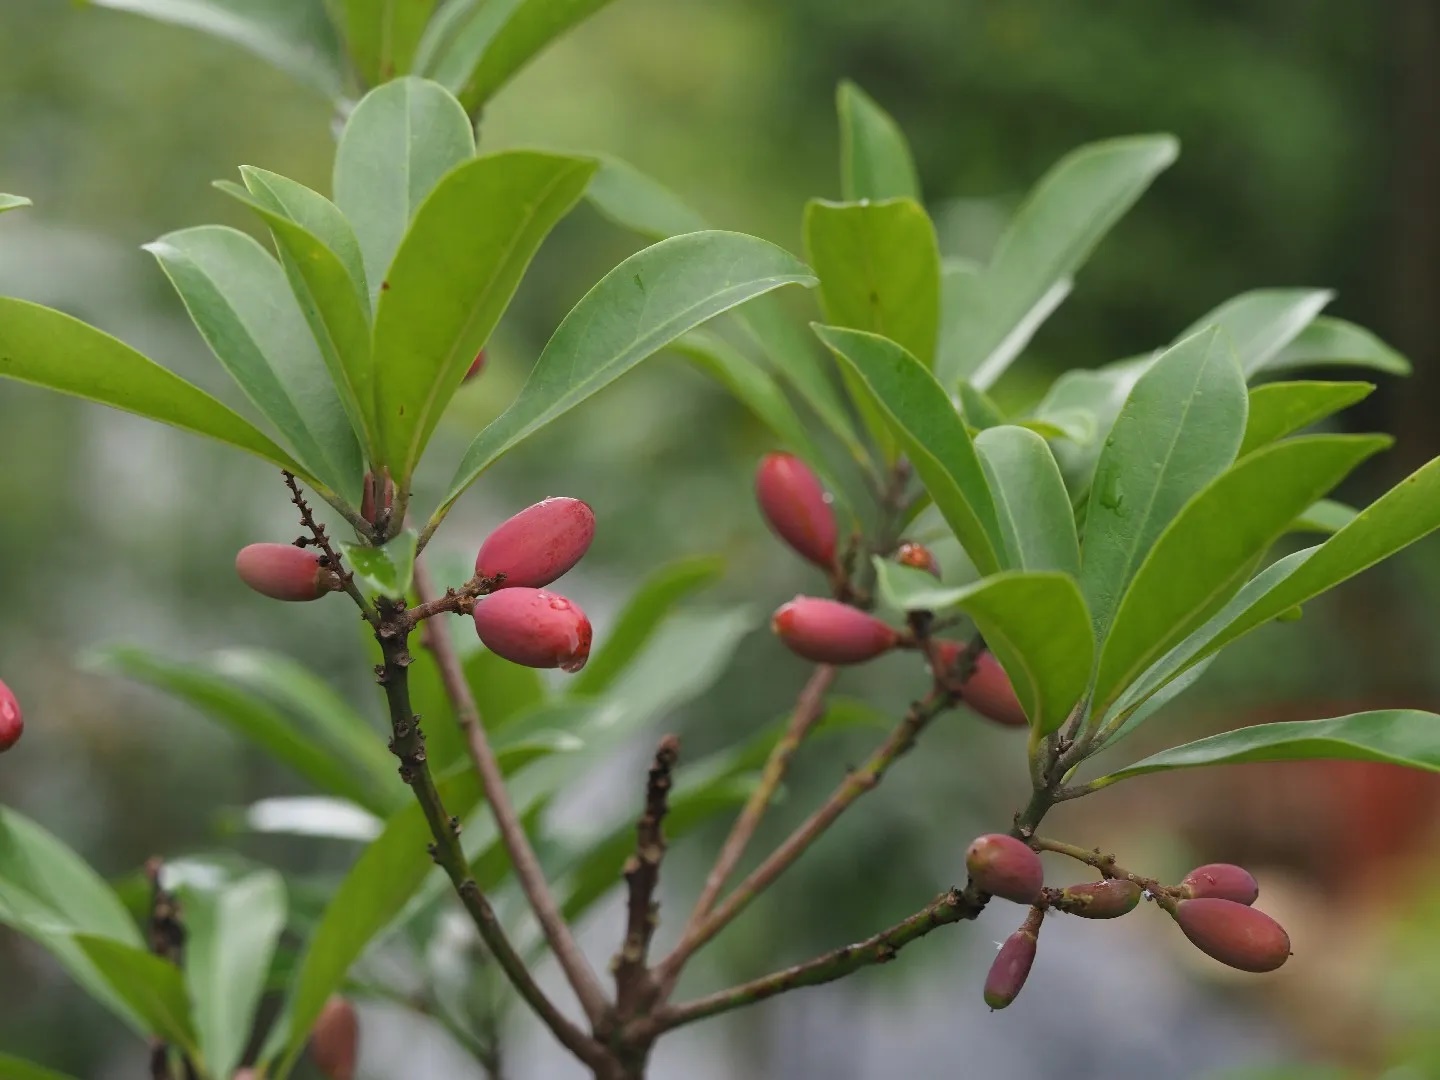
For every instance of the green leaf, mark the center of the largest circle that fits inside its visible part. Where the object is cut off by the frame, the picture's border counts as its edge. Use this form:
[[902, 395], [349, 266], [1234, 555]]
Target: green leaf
[[1334, 342], [152, 987], [14, 1068], [241, 303], [1179, 429], [1035, 623], [451, 280], [875, 159], [1202, 557], [50, 349], [13, 202], [1393, 736], [383, 34], [231, 932], [977, 408], [1326, 516], [294, 35], [933, 435], [639, 619], [638, 202], [637, 309], [398, 143], [384, 571], [489, 42], [1281, 408], [502, 690], [1051, 235], [308, 815], [1261, 323], [1031, 504]]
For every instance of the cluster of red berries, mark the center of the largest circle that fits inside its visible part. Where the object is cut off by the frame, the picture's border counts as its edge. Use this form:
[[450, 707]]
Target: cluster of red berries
[[799, 511], [1212, 907]]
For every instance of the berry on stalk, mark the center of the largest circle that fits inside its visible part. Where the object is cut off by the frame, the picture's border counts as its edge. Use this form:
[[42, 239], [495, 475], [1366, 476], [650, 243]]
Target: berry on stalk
[[830, 632], [538, 545], [797, 508], [534, 628], [1005, 867], [1010, 969], [335, 1040], [285, 572], [1239, 936], [1221, 881], [12, 720]]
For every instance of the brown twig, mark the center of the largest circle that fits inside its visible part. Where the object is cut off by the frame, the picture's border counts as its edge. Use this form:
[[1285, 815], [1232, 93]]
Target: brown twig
[[459, 601], [578, 972], [332, 559], [166, 934], [634, 989], [1107, 866]]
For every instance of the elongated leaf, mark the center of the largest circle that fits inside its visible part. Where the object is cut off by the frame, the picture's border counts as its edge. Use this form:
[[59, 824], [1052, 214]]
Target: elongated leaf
[[152, 987], [383, 34], [1261, 323], [1033, 508], [240, 301], [294, 35], [452, 278], [1052, 234], [1281, 408], [933, 435], [315, 214], [875, 159], [13, 202], [1035, 624], [383, 571], [1326, 516], [1202, 558], [1179, 429], [502, 690], [13, 1068], [400, 140], [977, 408], [638, 308], [48, 348], [1393, 736], [1334, 342], [651, 604], [311, 815], [638, 202], [231, 934]]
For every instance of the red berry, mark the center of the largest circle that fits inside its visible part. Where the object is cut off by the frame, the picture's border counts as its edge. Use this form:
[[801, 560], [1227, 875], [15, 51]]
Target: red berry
[[830, 632], [476, 367], [385, 490], [335, 1040], [539, 544], [535, 628], [284, 572], [919, 557], [12, 721], [1242, 937], [1011, 968], [989, 692], [1221, 881], [1108, 899], [1005, 867], [797, 508]]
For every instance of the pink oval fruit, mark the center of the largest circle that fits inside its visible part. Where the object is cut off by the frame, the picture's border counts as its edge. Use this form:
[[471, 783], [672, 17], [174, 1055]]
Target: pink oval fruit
[[537, 545], [535, 628], [1010, 970], [12, 720], [376, 492], [1242, 937], [1005, 867], [796, 507], [1108, 899], [919, 557], [335, 1040], [830, 632], [989, 692], [1221, 881], [284, 572], [476, 366]]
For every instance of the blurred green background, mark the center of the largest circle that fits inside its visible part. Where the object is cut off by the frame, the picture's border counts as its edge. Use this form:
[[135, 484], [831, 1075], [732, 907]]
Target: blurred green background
[[1310, 156]]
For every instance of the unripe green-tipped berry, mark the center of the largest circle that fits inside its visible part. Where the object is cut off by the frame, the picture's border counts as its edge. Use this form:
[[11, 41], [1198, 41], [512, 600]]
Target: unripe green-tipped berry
[[476, 366], [1220, 881], [335, 1040], [1242, 937], [535, 628], [539, 544], [1010, 970], [284, 572], [919, 557], [830, 632], [1005, 867], [377, 491], [1108, 899], [797, 508], [12, 720]]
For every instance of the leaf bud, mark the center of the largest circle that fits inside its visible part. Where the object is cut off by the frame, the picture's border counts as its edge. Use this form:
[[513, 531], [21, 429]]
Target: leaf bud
[[919, 557]]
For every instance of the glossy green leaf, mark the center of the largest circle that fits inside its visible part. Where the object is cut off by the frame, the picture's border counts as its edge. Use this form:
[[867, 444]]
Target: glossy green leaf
[[13, 202], [451, 280], [1031, 504], [14, 1068], [502, 690], [398, 143], [637, 309], [1261, 323], [933, 436], [1203, 556], [641, 617], [1281, 408], [875, 159], [1328, 342], [241, 303], [152, 987], [231, 933], [638, 202], [1051, 235], [48, 348], [294, 35], [1036, 624], [1179, 429], [1326, 516], [382, 35], [384, 571], [1406, 737], [977, 408]]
